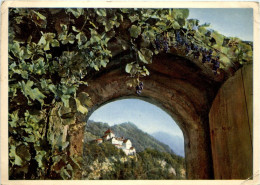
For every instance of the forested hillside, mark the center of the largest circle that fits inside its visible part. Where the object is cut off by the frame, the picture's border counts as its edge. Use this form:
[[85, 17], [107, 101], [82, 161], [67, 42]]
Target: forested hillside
[[153, 159], [140, 139]]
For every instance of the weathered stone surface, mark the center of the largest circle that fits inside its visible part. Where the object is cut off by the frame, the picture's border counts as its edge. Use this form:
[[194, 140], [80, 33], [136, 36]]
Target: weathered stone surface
[[186, 92], [231, 127], [177, 86]]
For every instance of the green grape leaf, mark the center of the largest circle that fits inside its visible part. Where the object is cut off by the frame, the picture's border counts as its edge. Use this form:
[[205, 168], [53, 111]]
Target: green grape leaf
[[34, 94], [69, 167], [65, 145], [65, 39], [39, 19], [162, 25], [176, 25], [133, 18], [84, 99], [128, 67], [39, 15], [75, 29], [145, 55], [125, 10], [146, 71], [64, 173], [65, 100], [101, 12], [16, 160], [39, 157], [103, 63], [135, 31], [218, 37], [225, 60], [24, 74], [80, 107], [14, 118], [47, 39], [77, 12], [55, 43], [23, 151], [81, 38]]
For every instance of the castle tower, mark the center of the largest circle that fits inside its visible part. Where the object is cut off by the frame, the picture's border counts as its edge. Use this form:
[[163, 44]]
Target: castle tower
[[110, 133]]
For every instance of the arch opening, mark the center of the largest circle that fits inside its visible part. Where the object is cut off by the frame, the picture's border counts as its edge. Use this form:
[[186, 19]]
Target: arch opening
[[153, 134], [186, 97]]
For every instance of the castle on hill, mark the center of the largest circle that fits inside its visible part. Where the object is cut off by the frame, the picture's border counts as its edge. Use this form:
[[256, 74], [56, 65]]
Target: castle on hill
[[119, 142]]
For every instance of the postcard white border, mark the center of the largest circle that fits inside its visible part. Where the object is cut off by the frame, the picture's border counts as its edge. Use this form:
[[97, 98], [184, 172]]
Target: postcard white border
[[120, 4]]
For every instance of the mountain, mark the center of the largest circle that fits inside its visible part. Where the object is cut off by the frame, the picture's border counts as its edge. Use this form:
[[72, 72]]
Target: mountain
[[176, 143], [140, 140], [153, 160]]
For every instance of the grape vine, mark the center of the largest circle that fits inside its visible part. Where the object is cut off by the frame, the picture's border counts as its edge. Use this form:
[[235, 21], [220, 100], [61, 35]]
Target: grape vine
[[53, 51]]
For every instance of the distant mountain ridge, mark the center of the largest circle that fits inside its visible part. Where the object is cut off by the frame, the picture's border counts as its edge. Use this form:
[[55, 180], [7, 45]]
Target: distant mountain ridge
[[140, 139], [176, 143]]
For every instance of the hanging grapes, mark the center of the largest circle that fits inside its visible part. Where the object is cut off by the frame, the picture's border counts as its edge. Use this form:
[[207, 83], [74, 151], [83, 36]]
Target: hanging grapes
[[53, 51]]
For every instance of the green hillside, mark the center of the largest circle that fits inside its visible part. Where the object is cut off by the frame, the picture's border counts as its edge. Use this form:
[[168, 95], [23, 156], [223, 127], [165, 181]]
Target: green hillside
[[153, 159], [139, 139]]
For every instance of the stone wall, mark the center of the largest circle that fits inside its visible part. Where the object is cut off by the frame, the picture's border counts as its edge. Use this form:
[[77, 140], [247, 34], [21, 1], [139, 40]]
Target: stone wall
[[177, 86], [218, 137]]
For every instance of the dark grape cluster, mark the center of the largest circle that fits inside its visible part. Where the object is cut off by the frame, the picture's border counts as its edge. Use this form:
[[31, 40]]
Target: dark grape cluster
[[157, 43], [161, 42], [187, 47], [139, 88], [195, 51], [216, 64], [207, 56], [190, 48], [178, 38]]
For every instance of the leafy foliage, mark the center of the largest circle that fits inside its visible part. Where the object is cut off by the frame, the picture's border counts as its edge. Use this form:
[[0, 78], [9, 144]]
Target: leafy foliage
[[105, 161], [51, 53]]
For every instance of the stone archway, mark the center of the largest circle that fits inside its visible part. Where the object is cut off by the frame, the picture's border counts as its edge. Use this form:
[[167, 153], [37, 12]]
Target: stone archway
[[178, 86], [187, 92], [186, 89]]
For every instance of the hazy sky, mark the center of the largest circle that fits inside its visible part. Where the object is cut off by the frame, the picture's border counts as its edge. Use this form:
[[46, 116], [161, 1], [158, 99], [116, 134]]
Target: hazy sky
[[146, 116], [235, 22]]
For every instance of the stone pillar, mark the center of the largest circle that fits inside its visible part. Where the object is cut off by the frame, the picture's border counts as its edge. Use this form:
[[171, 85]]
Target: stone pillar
[[198, 155], [231, 127]]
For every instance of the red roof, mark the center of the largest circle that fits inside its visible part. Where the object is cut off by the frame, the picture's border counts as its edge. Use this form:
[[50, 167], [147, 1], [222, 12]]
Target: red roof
[[125, 140], [109, 131], [132, 148], [99, 139]]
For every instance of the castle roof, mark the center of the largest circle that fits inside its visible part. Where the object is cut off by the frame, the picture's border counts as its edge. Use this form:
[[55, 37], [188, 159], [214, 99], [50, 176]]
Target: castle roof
[[126, 140], [132, 148], [109, 131]]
